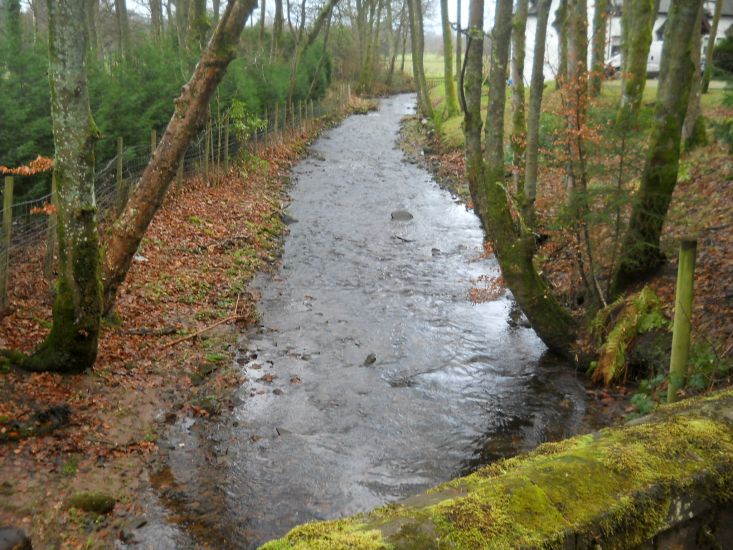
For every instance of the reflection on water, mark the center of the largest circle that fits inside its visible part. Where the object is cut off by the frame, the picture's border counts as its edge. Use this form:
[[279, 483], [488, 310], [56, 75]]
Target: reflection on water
[[372, 376]]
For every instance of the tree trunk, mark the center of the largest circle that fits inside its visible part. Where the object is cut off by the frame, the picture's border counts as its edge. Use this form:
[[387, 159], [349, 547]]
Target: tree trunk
[[396, 45], [640, 253], [263, 12], [598, 53], [471, 103], [560, 29], [693, 129], [514, 246], [536, 90], [494, 129], [459, 41], [639, 19], [711, 46], [123, 29], [190, 109], [92, 14], [365, 76], [418, 47], [71, 346], [451, 98], [277, 30], [156, 19], [519, 128], [198, 25], [182, 24], [216, 6]]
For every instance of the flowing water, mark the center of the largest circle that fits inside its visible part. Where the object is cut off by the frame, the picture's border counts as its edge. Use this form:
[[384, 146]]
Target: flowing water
[[371, 376]]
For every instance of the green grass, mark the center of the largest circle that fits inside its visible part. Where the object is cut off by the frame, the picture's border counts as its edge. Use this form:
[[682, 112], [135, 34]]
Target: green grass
[[452, 129]]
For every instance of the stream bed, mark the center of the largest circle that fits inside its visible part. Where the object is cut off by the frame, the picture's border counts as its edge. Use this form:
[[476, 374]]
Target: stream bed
[[371, 375]]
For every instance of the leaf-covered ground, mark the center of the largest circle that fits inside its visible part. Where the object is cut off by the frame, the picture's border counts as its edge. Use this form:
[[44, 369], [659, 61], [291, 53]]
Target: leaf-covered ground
[[170, 354]]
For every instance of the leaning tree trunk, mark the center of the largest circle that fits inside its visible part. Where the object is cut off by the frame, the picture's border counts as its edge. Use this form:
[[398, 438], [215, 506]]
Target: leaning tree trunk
[[638, 22], [519, 126], [693, 129], [598, 52], [71, 346], [641, 255], [451, 98], [515, 246], [536, 89], [711, 46], [190, 108]]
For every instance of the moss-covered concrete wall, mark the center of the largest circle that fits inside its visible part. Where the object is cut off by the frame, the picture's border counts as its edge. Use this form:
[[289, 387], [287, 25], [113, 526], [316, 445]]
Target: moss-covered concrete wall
[[662, 481]]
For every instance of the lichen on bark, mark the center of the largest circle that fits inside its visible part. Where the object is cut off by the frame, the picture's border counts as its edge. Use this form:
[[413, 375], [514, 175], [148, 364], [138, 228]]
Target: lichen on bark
[[71, 346]]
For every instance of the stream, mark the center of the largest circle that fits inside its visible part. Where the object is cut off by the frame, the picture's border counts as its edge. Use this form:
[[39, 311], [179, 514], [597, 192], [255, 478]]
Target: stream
[[371, 375]]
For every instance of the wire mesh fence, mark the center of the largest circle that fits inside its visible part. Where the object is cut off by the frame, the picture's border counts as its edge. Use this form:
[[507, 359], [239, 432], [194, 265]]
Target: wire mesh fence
[[31, 223]]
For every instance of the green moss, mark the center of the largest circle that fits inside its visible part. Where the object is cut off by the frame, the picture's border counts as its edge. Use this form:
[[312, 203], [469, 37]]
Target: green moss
[[329, 535], [99, 503], [617, 485]]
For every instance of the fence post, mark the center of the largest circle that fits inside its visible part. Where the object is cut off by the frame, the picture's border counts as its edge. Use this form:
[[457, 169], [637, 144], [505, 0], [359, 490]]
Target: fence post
[[51, 234], [206, 151], [226, 145], [122, 186], [179, 171], [277, 116], [267, 126], [5, 250], [153, 141], [682, 318]]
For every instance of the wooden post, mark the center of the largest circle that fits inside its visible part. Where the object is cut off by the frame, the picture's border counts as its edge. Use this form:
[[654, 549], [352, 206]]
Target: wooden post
[[300, 115], [51, 234], [153, 141], [226, 145], [206, 153], [682, 318], [267, 126], [122, 186], [5, 245], [179, 172], [277, 115], [218, 145]]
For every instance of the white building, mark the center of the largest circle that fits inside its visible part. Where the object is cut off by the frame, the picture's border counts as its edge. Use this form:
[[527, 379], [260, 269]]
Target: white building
[[613, 32]]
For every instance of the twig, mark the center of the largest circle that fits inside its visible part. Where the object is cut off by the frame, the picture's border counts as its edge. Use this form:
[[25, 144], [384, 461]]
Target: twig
[[194, 334]]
